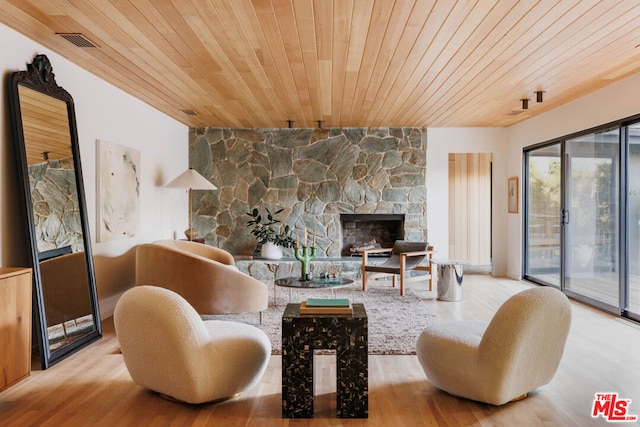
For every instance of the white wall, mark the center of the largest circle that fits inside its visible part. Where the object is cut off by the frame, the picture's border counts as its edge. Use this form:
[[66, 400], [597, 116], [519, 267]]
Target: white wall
[[102, 112], [441, 142], [614, 102]]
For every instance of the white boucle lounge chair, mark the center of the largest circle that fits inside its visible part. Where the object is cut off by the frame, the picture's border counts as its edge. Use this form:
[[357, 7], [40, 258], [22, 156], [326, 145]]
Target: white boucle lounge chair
[[169, 349], [502, 360]]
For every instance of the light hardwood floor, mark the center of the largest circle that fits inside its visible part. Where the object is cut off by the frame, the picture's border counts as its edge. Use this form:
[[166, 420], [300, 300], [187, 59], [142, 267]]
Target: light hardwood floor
[[93, 387]]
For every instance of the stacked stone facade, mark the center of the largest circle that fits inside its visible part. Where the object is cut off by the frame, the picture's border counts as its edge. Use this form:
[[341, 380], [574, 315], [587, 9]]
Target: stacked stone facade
[[313, 174], [54, 198]]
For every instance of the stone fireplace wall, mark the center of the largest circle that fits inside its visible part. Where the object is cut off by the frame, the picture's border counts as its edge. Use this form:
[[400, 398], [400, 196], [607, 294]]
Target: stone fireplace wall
[[313, 174], [54, 199]]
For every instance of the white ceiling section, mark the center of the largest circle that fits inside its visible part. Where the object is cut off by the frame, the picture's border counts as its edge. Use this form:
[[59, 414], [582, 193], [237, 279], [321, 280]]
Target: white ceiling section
[[350, 63]]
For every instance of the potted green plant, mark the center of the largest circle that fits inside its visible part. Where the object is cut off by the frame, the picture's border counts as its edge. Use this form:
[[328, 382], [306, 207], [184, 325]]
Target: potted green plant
[[271, 234]]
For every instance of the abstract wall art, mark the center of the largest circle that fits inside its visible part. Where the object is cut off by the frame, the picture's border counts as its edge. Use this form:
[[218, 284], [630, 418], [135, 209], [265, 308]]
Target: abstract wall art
[[118, 182], [513, 194]]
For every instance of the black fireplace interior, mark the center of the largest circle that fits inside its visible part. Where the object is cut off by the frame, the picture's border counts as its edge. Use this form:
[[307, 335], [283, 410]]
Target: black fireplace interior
[[361, 230]]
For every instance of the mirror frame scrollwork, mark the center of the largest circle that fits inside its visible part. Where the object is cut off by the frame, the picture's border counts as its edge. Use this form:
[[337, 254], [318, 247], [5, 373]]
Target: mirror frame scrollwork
[[39, 77]]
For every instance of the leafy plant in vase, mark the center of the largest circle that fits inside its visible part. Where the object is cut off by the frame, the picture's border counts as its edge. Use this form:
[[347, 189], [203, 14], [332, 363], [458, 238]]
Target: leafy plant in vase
[[271, 235]]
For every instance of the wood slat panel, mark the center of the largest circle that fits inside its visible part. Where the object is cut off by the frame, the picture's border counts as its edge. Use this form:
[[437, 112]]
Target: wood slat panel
[[470, 207], [342, 14], [259, 63], [487, 82], [483, 49], [406, 61], [414, 38], [361, 26], [461, 21]]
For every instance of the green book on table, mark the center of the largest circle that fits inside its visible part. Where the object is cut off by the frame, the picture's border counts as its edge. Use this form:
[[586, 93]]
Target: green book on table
[[328, 302]]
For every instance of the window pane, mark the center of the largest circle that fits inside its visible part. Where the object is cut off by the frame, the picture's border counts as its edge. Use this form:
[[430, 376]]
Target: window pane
[[633, 188], [543, 215], [592, 232]]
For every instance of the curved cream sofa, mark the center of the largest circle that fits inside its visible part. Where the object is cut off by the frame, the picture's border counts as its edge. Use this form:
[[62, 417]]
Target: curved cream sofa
[[169, 349], [203, 275]]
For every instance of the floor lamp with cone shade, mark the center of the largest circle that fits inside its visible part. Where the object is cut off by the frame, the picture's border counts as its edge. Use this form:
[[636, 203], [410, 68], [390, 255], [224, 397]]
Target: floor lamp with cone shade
[[191, 180]]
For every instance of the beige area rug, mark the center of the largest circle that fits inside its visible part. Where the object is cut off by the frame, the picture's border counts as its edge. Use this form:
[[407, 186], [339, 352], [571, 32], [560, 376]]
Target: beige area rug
[[395, 322]]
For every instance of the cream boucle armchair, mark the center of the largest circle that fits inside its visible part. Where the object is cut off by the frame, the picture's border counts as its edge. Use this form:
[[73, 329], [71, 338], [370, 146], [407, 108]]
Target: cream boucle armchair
[[497, 362], [169, 349], [203, 275]]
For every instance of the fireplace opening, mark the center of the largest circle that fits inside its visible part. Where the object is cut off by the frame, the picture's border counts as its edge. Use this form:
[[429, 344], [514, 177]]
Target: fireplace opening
[[368, 230]]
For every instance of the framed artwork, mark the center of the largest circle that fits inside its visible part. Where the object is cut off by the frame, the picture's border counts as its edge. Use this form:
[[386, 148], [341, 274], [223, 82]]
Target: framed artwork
[[118, 191], [513, 194]]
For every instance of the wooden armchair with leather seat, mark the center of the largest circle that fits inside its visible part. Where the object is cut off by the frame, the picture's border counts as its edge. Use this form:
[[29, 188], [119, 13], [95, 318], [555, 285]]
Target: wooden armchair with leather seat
[[404, 257]]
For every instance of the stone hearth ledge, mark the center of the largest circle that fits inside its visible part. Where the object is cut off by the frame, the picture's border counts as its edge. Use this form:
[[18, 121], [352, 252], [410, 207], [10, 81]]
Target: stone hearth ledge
[[268, 269]]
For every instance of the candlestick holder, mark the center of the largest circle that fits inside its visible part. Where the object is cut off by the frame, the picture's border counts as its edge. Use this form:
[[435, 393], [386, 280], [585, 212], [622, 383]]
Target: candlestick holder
[[304, 254]]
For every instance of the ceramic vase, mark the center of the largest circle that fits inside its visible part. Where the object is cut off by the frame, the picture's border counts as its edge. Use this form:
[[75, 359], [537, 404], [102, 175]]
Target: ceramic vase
[[271, 251]]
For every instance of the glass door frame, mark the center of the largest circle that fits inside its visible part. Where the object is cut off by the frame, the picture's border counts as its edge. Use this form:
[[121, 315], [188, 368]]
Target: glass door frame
[[621, 229], [623, 215], [625, 205], [526, 219]]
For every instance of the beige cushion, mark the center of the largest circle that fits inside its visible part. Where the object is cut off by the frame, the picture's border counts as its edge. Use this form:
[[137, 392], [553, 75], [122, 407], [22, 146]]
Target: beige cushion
[[169, 349], [205, 276], [496, 362]]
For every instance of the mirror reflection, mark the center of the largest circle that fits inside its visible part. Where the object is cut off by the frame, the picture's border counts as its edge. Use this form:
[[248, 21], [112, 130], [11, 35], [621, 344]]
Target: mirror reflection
[[56, 217], [65, 304], [52, 178]]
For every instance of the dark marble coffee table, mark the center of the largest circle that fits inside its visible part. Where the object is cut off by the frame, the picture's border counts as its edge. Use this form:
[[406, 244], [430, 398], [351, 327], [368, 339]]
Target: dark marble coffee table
[[345, 333]]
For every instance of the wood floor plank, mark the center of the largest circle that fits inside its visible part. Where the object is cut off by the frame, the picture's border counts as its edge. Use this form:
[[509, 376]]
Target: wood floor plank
[[93, 387]]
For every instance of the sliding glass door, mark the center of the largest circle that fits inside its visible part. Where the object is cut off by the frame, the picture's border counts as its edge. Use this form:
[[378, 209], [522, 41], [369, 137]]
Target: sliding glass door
[[582, 216], [543, 219], [591, 218], [633, 191]]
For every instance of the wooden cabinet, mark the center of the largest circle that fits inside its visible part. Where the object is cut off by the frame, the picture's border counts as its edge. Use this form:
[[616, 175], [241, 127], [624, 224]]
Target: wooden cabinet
[[15, 325]]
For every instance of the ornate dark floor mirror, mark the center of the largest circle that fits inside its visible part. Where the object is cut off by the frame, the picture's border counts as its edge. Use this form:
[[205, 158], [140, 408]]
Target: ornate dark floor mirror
[[65, 303]]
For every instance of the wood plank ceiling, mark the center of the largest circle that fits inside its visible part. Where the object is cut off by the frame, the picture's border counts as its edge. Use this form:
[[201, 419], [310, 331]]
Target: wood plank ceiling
[[45, 125], [259, 63]]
